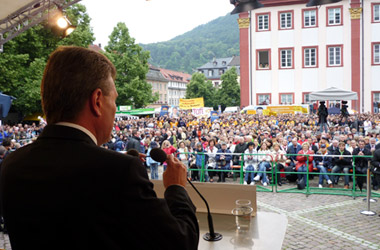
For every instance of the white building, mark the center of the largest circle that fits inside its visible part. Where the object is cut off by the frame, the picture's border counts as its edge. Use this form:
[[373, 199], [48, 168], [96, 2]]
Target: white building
[[289, 50], [177, 84]]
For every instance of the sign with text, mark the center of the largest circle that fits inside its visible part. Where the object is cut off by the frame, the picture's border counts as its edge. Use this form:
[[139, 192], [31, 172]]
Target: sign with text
[[191, 103], [205, 112], [164, 110]]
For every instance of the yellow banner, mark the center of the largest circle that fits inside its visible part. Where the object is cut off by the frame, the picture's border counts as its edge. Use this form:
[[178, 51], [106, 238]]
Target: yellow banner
[[191, 103], [251, 112]]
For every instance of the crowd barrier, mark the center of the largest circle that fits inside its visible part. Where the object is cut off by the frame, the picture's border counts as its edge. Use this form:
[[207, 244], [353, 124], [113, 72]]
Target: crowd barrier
[[237, 172]]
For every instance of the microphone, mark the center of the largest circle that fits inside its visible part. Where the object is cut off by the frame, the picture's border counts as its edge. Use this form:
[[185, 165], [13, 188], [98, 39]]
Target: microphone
[[159, 155]]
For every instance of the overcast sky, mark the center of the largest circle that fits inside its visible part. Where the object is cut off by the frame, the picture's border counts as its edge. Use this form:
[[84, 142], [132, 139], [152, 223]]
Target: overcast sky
[[154, 20]]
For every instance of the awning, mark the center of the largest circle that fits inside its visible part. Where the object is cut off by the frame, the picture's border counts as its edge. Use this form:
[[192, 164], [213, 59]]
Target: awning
[[333, 94]]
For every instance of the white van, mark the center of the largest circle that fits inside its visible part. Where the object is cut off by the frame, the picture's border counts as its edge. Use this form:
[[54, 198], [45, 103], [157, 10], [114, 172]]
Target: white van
[[232, 109]]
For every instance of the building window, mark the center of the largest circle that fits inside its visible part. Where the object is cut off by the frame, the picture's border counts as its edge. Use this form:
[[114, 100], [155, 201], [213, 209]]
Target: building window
[[376, 102], [335, 56], [221, 71], [263, 22], [286, 58], [334, 16], [216, 84], [210, 72], [376, 54], [263, 99], [286, 20], [310, 56], [376, 12], [306, 98], [286, 98], [309, 18], [263, 59]]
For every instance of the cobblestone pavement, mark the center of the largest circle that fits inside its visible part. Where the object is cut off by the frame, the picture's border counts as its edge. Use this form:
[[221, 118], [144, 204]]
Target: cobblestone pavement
[[324, 221]]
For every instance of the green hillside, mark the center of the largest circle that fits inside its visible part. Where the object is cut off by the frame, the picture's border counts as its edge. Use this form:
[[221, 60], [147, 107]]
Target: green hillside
[[218, 38]]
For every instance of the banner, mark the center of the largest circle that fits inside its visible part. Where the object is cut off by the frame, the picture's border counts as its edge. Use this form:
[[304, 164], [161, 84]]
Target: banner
[[191, 103], [214, 115], [205, 112], [124, 108], [164, 110]]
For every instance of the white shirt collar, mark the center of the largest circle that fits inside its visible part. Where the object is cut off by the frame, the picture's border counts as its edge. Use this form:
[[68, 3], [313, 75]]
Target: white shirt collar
[[79, 127]]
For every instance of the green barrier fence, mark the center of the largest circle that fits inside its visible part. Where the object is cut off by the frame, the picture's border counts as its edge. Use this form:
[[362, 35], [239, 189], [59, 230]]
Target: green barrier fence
[[273, 186]]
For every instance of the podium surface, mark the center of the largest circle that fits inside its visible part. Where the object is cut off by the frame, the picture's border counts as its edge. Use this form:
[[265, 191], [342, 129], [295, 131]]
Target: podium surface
[[267, 231]]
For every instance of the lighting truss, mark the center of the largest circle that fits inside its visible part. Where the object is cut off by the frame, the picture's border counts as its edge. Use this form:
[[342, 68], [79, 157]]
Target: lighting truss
[[28, 16]]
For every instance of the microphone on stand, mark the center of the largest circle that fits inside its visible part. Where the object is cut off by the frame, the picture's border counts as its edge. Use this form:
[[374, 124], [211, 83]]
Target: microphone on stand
[[159, 155]]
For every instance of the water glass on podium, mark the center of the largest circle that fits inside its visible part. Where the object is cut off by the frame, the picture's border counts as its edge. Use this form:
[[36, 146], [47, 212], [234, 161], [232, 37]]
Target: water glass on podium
[[243, 212]]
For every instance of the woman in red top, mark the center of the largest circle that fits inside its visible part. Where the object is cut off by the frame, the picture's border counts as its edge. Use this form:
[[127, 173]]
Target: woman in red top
[[302, 161], [169, 149]]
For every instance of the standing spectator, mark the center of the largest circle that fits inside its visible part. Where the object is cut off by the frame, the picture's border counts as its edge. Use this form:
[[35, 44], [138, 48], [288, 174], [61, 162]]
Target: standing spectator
[[342, 163], [361, 163], [152, 163], [134, 141], [322, 116]]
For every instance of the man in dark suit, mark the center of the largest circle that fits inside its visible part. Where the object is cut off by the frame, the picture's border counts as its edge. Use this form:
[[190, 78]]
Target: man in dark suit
[[65, 192], [361, 163]]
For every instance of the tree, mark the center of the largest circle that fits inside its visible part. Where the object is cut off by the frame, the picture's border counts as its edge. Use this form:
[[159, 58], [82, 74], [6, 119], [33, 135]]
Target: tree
[[131, 64], [25, 56], [229, 93], [199, 86]]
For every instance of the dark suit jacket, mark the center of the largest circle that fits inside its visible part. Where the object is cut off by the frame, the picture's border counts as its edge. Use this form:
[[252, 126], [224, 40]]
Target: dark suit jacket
[[361, 162], [64, 192]]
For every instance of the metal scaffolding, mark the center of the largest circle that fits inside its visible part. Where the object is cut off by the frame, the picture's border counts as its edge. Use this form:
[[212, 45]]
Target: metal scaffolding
[[28, 16]]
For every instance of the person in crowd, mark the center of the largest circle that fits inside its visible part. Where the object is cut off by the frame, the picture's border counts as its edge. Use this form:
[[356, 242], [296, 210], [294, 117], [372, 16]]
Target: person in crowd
[[371, 146], [211, 153], [264, 158], [152, 164], [304, 162], [323, 162], [223, 161], [322, 117], [280, 158], [361, 163], [134, 141], [293, 150], [334, 147], [200, 162], [342, 162], [250, 163], [70, 190], [375, 168], [239, 148], [183, 153], [169, 150]]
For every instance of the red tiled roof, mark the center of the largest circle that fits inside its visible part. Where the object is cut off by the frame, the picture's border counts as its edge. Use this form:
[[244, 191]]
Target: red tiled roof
[[175, 75]]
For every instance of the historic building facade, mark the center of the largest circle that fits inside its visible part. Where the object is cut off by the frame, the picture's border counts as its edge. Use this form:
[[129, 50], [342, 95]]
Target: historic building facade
[[288, 50]]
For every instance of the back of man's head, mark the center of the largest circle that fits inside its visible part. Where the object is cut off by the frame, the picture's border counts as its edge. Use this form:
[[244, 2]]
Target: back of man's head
[[70, 77]]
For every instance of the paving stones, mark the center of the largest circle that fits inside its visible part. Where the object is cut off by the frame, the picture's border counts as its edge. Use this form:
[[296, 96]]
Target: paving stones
[[324, 221]]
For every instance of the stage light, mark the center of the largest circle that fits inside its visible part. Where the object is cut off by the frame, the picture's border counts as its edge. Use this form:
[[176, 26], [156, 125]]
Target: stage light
[[312, 3], [245, 5], [69, 30], [62, 22]]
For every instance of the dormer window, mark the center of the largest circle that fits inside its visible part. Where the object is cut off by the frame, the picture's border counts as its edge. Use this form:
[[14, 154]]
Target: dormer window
[[215, 63], [224, 63]]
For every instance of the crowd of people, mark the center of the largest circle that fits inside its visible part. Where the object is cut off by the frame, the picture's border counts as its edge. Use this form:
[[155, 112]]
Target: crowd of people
[[290, 143]]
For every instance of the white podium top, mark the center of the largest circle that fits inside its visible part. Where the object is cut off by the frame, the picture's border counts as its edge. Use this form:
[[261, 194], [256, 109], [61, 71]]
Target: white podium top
[[267, 232]]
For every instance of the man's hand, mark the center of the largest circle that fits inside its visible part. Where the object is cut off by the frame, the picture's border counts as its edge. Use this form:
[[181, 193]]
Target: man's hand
[[175, 173]]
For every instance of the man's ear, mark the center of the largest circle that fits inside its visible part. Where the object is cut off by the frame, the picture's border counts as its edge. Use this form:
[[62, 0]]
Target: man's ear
[[96, 102]]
